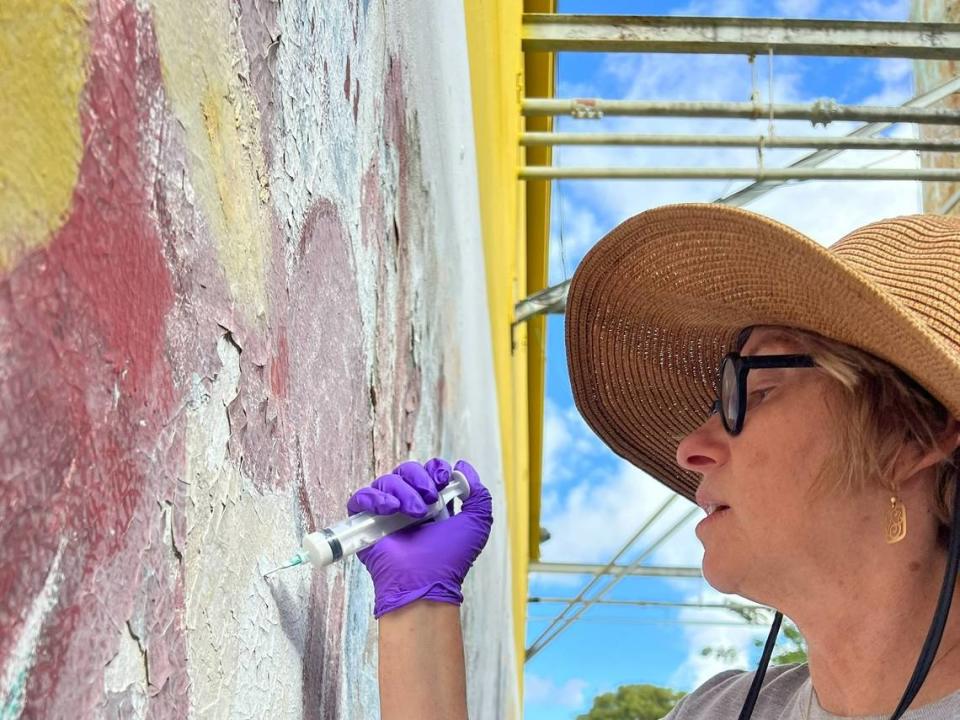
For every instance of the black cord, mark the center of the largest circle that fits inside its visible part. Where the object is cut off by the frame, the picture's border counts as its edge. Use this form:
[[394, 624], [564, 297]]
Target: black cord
[[930, 645], [751, 700]]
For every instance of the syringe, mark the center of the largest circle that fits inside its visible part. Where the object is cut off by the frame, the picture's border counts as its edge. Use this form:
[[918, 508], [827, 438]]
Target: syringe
[[362, 530]]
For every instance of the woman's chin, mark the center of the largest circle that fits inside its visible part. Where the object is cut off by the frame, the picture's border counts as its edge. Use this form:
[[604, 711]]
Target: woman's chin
[[719, 578]]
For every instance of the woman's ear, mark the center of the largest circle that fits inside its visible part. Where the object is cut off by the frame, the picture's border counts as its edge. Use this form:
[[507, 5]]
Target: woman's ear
[[913, 461], [950, 437]]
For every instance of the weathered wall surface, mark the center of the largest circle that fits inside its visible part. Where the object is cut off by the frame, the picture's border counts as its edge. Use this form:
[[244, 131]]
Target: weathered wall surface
[[240, 275], [938, 196]]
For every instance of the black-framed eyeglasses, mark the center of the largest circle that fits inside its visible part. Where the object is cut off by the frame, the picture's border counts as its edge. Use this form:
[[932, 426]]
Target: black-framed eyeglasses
[[732, 381]]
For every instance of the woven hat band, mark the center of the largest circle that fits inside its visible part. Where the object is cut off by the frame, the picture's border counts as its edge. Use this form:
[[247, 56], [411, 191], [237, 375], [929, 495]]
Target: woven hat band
[[916, 260]]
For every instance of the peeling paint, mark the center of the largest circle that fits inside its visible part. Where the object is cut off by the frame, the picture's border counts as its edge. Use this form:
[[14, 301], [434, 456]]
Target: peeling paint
[[126, 677], [243, 297], [238, 668], [203, 70]]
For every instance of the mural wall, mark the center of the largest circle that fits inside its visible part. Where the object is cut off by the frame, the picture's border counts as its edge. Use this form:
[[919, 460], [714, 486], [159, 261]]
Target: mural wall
[[241, 274]]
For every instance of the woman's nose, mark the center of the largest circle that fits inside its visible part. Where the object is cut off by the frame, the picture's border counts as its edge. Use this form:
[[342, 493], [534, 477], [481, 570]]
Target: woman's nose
[[704, 448]]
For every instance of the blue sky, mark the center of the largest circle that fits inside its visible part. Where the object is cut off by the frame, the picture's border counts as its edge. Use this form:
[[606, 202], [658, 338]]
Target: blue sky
[[592, 500]]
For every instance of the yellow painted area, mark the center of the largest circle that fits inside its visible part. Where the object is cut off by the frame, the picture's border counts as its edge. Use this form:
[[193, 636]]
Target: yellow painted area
[[43, 66], [200, 53], [538, 71], [515, 225]]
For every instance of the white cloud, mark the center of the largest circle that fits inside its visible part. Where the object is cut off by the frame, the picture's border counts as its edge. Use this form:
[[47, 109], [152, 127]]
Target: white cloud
[[881, 9], [573, 230], [556, 439], [590, 521], [571, 450], [698, 668], [797, 8], [894, 70], [539, 690], [715, 8], [593, 519]]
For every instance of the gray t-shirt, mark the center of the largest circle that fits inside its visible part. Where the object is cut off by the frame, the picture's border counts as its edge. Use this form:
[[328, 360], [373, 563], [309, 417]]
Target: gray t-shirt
[[785, 695]]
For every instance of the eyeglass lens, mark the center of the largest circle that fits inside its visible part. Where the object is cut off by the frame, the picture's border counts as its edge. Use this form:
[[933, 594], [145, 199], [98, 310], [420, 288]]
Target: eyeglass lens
[[729, 396]]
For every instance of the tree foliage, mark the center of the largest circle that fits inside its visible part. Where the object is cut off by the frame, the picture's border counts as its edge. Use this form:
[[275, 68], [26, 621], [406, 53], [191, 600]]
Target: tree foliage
[[790, 647], [633, 702]]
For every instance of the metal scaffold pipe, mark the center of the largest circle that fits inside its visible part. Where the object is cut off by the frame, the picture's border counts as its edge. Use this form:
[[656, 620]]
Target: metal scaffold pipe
[[562, 621], [737, 35], [599, 574], [651, 603], [822, 111], [842, 142], [570, 568], [755, 190], [550, 172]]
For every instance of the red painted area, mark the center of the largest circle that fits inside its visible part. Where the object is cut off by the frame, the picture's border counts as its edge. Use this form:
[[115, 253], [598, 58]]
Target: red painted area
[[280, 367], [87, 390], [331, 417]]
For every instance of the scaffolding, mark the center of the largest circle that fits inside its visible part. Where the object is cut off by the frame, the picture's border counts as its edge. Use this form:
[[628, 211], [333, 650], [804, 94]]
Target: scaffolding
[[751, 37]]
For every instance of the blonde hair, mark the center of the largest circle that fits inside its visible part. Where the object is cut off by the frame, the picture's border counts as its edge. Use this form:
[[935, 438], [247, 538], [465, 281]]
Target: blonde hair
[[879, 410]]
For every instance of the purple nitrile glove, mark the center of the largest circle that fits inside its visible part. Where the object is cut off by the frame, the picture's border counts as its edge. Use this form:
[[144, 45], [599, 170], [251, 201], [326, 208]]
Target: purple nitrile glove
[[428, 561]]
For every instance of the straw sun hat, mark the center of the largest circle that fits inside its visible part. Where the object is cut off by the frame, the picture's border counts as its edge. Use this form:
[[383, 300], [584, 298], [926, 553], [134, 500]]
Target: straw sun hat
[[656, 304]]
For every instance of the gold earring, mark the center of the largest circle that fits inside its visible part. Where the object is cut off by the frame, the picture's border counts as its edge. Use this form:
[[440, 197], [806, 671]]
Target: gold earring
[[896, 520]]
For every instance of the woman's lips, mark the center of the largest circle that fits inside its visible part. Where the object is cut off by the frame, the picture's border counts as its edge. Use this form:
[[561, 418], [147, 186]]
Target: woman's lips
[[713, 517]]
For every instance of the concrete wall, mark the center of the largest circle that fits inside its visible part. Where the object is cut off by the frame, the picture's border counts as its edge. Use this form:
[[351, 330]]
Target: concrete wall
[[928, 74], [241, 274]]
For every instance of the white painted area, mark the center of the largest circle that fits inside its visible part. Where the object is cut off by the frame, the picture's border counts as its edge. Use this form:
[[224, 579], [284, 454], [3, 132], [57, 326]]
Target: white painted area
[[244, 642], [436, 51], [126, 675]]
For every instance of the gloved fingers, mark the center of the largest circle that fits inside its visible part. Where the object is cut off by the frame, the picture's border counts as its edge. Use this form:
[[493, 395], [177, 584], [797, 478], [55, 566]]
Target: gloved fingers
[[370, 499], [410, 501], [439, 470], [479, 500], [417, 476]]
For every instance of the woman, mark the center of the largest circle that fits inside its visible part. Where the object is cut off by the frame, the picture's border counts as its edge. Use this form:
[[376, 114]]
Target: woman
[[806, 399]]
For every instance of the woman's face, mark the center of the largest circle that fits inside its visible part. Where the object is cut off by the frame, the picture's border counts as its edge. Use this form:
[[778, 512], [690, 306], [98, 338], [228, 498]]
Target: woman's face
[[774, 532]]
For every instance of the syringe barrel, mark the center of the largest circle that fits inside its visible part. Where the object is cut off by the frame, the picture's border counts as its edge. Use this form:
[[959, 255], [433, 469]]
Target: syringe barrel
[[362, 530]]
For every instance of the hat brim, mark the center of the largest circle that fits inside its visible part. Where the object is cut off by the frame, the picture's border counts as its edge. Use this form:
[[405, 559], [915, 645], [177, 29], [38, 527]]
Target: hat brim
[[656, 304]]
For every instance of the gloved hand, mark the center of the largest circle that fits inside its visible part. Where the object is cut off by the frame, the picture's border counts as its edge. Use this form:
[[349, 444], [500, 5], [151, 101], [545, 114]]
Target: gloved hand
[[430, 560]]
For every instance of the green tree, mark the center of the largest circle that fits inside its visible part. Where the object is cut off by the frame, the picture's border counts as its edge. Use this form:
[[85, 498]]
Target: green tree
[[633, 702]]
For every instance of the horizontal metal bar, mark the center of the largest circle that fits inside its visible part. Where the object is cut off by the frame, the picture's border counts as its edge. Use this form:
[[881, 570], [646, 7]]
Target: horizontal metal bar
[[601, 620], [734, 35], [562, 621], [648, 603], [597, 569], [532, 172], [539, 303], [557, 295], [751, 192], [842, 142], [553, 300], [822, 111]]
